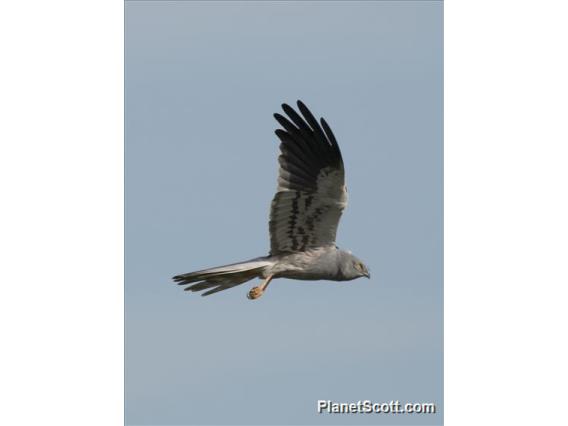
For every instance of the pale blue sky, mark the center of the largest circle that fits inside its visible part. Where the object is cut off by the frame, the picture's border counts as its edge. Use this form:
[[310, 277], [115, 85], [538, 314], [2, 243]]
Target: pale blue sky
[[202, 82]]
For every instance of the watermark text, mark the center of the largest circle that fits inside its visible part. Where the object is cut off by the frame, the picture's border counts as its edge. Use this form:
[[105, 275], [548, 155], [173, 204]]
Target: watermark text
[[370, 407]]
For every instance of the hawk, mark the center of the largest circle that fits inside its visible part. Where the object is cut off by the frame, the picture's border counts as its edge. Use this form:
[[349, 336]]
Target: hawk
[[304, 215]]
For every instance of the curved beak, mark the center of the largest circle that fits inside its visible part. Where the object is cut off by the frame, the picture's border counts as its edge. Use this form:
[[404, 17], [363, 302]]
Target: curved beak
[[367, 274]]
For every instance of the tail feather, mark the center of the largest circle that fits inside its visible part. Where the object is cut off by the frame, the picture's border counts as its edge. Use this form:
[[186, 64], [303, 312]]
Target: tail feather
[[222, 277]]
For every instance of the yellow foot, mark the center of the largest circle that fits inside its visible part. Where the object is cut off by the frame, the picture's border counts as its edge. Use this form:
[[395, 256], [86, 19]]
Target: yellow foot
[[255, 293]]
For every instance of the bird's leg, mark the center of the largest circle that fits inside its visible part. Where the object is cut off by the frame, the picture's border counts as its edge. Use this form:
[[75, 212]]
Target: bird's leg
[[258, 291]]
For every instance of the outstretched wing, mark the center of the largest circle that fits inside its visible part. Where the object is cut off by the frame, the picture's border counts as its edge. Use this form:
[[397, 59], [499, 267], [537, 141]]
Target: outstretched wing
[[311, 192]]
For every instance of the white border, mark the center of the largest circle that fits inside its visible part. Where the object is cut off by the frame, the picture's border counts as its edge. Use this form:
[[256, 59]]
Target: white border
[[61, 171], [506, 212]]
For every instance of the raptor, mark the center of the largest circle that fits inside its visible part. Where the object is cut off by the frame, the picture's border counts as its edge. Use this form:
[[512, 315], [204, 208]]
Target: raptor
[[304, 215]]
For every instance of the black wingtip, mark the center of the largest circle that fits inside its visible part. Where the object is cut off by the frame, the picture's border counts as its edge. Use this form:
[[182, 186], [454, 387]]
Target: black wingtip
[[287, 108]]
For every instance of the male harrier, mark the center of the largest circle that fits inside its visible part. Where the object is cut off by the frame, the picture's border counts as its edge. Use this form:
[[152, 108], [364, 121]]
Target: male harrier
[[304, 215]]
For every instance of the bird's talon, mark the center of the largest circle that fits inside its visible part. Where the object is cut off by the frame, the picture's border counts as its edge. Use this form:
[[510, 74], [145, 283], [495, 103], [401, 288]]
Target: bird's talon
[[255, 293]]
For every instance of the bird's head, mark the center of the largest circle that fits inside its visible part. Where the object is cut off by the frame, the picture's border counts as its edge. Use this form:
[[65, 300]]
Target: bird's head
[[354, 267]]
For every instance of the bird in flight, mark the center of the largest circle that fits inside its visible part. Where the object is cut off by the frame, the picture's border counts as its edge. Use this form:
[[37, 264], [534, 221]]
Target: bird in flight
[[304, 215]]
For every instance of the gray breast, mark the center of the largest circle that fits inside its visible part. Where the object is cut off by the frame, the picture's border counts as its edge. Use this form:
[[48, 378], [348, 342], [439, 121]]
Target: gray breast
[[318, 264]]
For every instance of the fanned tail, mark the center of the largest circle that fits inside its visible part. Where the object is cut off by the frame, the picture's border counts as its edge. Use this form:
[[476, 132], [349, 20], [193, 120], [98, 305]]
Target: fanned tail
[[222, 277]]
